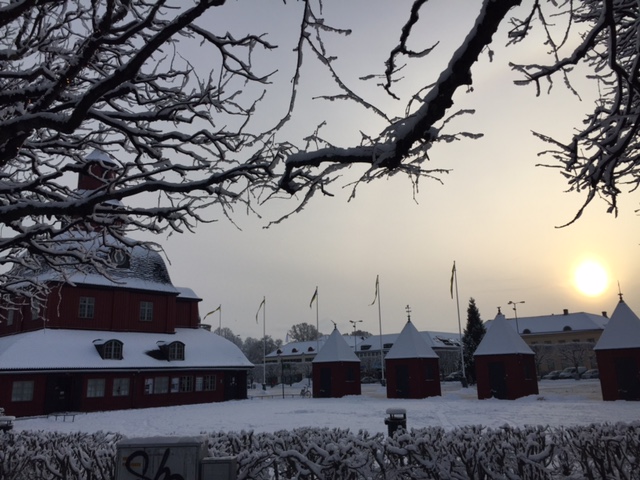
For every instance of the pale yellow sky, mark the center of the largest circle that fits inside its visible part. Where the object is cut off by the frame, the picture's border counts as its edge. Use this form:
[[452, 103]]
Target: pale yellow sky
[[495, 214]]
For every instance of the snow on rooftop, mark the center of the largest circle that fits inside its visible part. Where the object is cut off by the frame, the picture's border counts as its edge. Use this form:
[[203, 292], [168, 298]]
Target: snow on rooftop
[[98, 155], [411, 344], [75, 349], [502, 339], [335, 349], [622, 331], [578, 321]]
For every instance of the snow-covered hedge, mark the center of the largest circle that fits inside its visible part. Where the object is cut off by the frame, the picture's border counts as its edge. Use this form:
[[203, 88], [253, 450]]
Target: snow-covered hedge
[[595, 452], [48, 456]]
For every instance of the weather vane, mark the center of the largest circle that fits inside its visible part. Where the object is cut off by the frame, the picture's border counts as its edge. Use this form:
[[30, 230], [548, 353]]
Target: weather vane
[[408, 309]]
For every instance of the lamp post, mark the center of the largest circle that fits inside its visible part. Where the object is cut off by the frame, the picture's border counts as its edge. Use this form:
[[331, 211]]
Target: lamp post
[[279, 352], [354, 323], [515, 310]]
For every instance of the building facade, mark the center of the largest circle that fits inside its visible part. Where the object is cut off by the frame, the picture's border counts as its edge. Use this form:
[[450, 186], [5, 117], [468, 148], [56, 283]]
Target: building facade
[[124, 337]]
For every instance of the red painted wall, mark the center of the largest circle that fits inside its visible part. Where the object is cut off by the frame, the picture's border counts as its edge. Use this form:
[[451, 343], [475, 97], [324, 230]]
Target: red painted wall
[[344, 378], [78, 401], [424, 378], [520, 375], [615, 384]]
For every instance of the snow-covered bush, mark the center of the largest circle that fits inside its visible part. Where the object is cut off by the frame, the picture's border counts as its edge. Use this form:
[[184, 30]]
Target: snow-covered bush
[[48, 456], [474, 452]]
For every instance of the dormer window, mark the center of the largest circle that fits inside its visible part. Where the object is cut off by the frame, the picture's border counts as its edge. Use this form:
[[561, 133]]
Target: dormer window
[[168, 351], [109, 349], [176, 351], [567, 328]]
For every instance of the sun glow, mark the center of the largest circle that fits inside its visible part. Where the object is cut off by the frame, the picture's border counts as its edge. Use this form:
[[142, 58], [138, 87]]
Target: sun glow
[[591, 278]]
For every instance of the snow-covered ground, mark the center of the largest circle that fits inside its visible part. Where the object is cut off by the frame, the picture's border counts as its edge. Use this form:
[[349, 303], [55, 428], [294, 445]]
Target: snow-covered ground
[[560, 403]]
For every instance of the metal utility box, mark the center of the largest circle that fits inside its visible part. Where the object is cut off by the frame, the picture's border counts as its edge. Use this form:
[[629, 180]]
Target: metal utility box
[[218, 468], [160, 457]]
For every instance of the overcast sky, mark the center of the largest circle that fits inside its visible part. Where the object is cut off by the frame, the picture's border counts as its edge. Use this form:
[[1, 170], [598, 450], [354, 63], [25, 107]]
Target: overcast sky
[[495, 214]]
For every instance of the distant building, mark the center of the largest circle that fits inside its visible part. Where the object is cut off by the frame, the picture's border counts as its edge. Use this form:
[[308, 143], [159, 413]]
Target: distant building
[[561, 340], [130, 339]]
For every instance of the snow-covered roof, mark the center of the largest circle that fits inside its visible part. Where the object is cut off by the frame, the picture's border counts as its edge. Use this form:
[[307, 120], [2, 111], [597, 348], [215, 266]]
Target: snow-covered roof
[[74, 349], [411, 344], [140, 268], [185, 292], [439, 340], [577, 321], [622, 331], [335, 349], [101, 156], [502, 339], [300, 348]]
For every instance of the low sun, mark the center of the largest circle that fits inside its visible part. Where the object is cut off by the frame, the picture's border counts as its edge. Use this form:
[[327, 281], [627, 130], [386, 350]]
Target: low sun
[[591, 278]]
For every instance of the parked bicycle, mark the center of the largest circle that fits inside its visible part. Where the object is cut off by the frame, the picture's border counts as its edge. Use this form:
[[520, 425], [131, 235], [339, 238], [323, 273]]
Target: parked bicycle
[[305, 392]]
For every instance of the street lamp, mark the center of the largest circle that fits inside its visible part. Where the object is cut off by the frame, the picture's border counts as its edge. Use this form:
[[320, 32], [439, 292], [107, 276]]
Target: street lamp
[[516, 312], [279, 352], [354, 323]]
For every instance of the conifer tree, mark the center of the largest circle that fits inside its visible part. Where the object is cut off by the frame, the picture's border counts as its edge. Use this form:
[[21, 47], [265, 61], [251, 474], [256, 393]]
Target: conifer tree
[[473, 334]]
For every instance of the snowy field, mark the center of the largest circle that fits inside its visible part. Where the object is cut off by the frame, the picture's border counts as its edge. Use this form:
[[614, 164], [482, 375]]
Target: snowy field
[[560, 403]]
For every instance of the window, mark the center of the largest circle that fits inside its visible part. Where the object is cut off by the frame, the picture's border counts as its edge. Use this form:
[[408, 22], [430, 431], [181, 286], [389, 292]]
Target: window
[[120, 387], [146, 311], [161, 385], [22, 391], [176, 351], [186, 384], [148, 386], [87, 307], [11, 314], [112, 350], [35, 309], [209, 383], [95, 387]]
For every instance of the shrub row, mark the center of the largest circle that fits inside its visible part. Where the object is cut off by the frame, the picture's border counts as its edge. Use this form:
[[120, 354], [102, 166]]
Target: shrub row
[[587, 452]]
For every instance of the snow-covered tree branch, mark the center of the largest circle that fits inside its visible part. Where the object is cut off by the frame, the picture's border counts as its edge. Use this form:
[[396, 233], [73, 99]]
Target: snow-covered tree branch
[[130, 79]]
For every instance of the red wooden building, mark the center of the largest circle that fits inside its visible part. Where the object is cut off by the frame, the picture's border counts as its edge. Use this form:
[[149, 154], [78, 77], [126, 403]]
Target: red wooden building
[[412, 366], [618, 355], [128, 340], [505, 365], [336, 369]]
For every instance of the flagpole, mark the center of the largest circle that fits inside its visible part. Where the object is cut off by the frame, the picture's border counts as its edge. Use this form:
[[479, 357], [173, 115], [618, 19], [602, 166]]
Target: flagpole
[[380, 324], [455, 278], [264, 339], [220, 318], [317, 323]]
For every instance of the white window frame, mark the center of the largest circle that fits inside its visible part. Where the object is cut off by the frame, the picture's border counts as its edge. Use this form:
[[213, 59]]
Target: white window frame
[[161, 385], [11, 314], [146, 311], [96, 387], [112, 350], [209, 383], [22, 391], [176, 351], [121, 387], [186, 383], [87, 308]]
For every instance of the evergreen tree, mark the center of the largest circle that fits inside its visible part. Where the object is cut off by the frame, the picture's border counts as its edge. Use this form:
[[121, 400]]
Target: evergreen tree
[[473, 334]]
